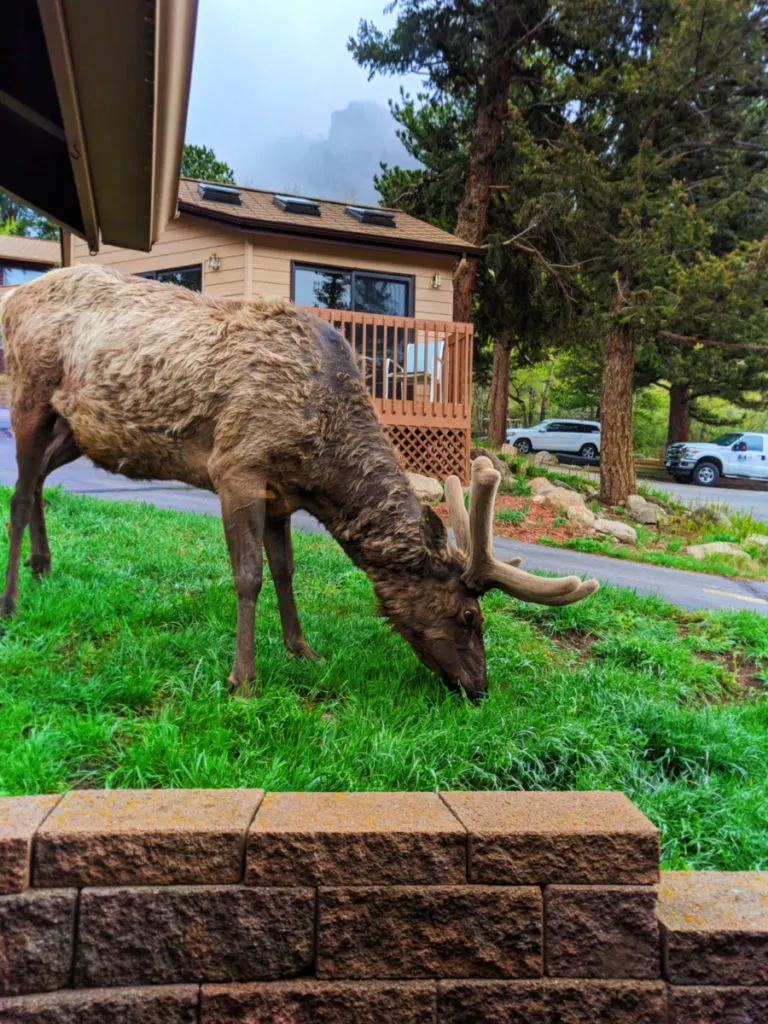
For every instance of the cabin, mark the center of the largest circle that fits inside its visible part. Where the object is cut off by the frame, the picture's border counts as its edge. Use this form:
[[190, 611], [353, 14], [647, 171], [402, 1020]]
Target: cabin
[[382, 278]]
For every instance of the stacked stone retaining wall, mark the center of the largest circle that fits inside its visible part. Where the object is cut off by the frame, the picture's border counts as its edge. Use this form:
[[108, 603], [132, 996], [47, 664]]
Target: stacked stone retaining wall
[[188, 906]]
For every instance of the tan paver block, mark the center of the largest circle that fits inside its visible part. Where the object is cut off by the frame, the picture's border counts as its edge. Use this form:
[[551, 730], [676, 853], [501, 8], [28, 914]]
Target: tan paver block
[[459, 931], [320, 1002], [714, 927], [568, 838], [160, 935], [20, 818], [717, 1005], [145, 837], [353, 839], [36, 940], [601, 931], [162, 1004], [551, 1001]]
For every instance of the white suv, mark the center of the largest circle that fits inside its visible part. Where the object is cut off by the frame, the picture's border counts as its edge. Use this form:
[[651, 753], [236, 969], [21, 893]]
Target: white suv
[[735, 454], [579, 437]]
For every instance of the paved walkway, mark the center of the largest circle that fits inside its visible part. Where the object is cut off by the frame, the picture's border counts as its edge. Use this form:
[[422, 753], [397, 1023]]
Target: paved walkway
[[685, 589]]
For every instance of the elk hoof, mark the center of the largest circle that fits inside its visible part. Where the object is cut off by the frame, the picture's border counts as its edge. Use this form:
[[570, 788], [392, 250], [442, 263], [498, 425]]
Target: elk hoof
[[242, 686], [301, 649], [40, 567]]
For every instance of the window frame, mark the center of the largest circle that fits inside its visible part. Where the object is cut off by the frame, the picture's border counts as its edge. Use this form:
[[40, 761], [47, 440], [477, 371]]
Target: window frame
[[408, 279], [38, 268], [151, 275]]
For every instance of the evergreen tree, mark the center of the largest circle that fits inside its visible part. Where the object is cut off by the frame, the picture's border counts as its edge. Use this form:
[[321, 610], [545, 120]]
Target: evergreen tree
[[200, 162]]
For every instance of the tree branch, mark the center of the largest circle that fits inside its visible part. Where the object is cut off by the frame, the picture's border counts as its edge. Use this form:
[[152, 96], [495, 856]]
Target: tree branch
[[743, 346]]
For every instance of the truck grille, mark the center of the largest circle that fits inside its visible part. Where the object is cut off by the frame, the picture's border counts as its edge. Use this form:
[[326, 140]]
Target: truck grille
[[674, 454]]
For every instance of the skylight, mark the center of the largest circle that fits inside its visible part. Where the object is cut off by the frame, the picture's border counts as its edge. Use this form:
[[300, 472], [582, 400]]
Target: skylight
[[371, 215], [297, 204], [218, 193]]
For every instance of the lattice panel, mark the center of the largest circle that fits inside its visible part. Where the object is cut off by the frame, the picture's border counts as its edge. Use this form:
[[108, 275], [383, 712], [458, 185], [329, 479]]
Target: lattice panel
[[434, 451]]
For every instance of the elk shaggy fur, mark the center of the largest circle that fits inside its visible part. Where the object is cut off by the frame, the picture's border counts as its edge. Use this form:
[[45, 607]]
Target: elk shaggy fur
[[255, 400]]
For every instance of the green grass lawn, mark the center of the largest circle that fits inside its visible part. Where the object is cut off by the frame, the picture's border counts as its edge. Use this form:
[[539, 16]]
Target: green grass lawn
[[112, 675]]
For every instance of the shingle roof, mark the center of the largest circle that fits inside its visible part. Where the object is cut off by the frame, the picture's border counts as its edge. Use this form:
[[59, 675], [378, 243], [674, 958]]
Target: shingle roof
[[258, 211], [29, 250]]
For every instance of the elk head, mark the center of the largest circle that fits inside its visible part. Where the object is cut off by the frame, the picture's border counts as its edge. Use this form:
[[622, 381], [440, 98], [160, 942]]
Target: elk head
[[439, 615]]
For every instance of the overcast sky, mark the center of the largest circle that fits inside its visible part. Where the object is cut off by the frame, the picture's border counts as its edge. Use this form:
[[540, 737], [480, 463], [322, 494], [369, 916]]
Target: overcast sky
[[276, 94]]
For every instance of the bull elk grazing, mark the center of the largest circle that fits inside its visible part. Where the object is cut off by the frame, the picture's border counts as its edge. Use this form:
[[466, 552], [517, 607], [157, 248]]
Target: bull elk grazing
[[263, 404]]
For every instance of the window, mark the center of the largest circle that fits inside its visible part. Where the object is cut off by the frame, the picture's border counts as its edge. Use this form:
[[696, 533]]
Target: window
[[296, 204], [753, 442], [219, 193], [187, 277], [361, 290], [18, 273], [371, 215]]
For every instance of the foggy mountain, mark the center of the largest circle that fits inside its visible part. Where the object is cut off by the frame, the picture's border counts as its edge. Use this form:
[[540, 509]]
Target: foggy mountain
[[341, 166]]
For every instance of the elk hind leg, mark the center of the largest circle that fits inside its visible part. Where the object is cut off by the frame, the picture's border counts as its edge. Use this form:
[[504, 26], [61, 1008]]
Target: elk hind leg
[[61, 450], [279, 548]]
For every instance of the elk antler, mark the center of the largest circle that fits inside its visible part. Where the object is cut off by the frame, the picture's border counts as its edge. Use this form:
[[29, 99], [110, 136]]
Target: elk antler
[[474, 537]]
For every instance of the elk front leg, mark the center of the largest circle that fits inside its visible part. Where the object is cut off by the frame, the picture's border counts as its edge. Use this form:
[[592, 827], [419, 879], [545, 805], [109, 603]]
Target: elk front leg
[[279, 548], [243, 508], [33, 432]]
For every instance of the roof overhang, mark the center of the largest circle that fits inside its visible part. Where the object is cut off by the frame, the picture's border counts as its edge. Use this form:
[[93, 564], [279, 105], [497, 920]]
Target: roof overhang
[[316, 231], [93, 104]]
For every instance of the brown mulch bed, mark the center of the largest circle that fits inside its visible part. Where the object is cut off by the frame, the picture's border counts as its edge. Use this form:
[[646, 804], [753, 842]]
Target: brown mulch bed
[[537, 523]]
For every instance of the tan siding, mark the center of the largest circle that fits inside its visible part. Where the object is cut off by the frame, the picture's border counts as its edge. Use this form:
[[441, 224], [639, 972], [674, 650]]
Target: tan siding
[[260, 264], [272, 269], [184, 243]]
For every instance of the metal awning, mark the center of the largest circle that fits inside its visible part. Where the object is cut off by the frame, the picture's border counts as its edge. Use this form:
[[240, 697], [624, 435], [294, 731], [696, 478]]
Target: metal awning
[[93, 106]]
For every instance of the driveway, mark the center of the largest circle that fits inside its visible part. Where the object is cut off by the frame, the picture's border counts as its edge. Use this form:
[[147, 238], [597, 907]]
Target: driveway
[[685, 589]]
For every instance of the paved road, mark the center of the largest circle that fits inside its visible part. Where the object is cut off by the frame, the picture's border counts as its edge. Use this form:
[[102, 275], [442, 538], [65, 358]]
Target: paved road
[[687, 590]]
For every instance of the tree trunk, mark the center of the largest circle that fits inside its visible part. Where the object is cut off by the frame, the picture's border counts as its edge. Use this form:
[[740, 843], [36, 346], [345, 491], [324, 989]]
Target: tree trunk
[[497, 426], [617, 462], [472, 215], [679, 428], [546, 391]]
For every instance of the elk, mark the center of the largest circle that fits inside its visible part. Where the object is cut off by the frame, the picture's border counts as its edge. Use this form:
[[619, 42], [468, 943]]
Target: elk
[[263, 404]]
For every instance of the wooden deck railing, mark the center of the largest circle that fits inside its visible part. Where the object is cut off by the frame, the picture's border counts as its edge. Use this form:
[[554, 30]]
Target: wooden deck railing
[[419, 375]]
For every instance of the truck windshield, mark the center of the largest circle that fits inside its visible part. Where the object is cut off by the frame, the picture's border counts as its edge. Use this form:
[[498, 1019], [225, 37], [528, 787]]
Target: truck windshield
[[725, 439]]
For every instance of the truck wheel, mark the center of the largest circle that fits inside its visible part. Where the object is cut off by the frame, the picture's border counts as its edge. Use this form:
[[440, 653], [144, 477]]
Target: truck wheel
[[523, 445], [706, 474]]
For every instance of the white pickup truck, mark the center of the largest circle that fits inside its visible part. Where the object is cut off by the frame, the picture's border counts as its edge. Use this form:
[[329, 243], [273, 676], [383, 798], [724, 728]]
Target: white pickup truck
[[732, 455]]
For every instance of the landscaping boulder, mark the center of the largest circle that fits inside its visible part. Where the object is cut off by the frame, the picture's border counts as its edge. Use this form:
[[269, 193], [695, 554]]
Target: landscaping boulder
[[642, 511], [428, 490], [760, 540], [710, 515], [496, 462], [621, 531], [583, 518], [553, 496], [510, 450], [717, 547], [545, 459], [540, 485]]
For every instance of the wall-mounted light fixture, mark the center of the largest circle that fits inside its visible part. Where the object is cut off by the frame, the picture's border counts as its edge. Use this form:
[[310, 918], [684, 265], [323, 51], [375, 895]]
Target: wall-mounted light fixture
[[436, 281], [213, 262]]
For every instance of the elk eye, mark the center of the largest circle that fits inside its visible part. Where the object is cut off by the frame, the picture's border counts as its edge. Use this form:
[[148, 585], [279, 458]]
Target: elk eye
[[469, 618]]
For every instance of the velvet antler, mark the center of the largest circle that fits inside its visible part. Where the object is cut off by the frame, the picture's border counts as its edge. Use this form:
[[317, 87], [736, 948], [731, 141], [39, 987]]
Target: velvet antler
[[474, 537]]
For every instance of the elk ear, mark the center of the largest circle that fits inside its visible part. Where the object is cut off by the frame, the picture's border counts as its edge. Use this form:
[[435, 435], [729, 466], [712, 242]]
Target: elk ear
[[433, 533]]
